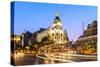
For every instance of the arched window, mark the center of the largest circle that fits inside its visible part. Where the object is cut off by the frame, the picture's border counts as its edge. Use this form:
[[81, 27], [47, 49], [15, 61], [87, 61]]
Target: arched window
[[52, 34], [57, 34], [61, 34]]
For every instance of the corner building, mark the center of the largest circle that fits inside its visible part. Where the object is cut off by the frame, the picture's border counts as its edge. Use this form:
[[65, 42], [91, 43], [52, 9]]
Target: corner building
[[54, 33]]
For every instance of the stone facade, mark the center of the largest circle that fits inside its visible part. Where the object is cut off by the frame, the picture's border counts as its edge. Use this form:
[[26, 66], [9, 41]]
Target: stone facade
[[54, 33], [87, 43]]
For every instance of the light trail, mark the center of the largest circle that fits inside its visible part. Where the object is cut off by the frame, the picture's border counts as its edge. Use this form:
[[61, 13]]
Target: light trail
[[52, 58]]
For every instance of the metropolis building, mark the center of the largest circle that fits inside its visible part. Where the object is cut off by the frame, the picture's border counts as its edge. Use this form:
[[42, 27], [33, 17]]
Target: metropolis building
[[54, 33]]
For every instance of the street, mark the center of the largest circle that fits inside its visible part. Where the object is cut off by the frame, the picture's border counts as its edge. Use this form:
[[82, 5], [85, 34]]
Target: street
[[52, 58]]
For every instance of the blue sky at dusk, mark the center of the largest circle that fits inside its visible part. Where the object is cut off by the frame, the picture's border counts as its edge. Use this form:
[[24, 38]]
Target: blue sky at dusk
[[33, 16]]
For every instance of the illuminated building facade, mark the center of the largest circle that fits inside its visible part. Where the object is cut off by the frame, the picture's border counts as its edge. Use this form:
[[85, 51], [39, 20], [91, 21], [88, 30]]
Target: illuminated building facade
[[54, 33], [15, 42], [87, 43]]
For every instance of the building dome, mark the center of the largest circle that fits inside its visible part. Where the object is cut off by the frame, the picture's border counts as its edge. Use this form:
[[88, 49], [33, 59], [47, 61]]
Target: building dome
[[57, 22]]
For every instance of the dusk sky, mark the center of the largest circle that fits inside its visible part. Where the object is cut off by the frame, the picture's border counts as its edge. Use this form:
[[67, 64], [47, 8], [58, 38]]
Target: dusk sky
[[33, 16]]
